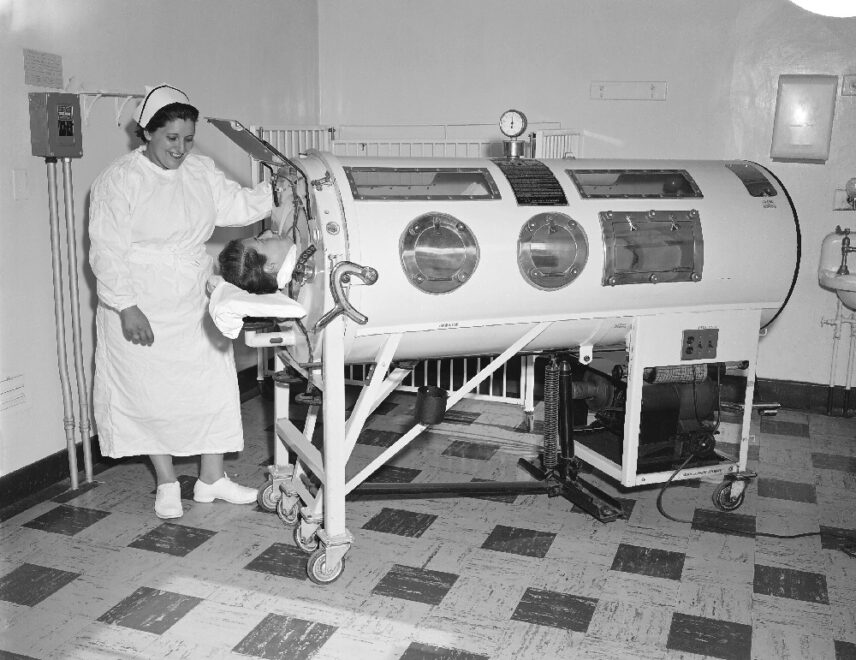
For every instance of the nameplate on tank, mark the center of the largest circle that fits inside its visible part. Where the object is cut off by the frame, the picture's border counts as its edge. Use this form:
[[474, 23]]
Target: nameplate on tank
[[532, 182], [650, 247]]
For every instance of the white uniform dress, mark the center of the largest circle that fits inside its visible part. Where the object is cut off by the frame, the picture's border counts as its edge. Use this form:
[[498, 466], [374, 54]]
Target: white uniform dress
[[148, 228]]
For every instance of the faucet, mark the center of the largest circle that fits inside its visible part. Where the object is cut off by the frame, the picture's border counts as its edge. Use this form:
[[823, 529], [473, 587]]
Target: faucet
[[845, 249]]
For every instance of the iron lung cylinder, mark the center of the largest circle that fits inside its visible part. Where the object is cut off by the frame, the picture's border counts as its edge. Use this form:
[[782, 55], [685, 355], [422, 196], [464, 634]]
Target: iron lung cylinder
[[471, 253]]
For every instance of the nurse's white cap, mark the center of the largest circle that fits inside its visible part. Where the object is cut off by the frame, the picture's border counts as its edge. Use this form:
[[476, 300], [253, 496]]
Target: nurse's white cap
[[156, 98]]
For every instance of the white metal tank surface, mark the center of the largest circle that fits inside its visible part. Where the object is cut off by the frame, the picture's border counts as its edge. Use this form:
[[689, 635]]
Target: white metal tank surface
[[471, 252]]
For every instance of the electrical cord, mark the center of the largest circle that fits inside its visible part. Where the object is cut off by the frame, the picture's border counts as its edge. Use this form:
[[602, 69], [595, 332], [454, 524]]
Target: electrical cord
[[849, 549]]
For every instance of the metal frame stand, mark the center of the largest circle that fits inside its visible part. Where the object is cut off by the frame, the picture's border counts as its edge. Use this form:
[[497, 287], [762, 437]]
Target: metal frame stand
[[313, 489]]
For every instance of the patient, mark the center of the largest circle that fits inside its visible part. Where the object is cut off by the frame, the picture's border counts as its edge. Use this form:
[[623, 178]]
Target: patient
[[262, 264]]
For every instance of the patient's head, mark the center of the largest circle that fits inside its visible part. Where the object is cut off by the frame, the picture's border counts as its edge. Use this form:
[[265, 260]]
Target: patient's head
[[252, 264]]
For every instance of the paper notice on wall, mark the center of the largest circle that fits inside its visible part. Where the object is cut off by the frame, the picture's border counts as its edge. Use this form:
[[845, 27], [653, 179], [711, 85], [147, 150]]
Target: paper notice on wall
[[42, 69], [13, 393]]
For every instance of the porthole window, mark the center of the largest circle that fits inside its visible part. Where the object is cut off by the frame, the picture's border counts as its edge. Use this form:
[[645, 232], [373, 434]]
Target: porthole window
[[552, 251], [438, 253]]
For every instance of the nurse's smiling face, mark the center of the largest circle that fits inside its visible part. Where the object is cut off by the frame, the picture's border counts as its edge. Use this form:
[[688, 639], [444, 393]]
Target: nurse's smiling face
[[168, 145]]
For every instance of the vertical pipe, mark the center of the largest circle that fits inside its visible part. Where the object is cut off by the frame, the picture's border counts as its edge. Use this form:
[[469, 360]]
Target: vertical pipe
[[478, 369], [59, 313], [528, 387], [836, 336], [281, 402], [333, 411], [77, 335], [261, 368], [851, 361]]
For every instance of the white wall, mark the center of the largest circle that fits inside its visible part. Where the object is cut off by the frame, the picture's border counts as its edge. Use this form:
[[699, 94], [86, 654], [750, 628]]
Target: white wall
[[255, 61], [446, 61], [349, 62]]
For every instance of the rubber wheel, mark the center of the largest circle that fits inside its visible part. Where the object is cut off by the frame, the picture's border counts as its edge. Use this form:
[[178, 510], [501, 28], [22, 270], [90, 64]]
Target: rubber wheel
[[289, 515], [319, 572], [268, 497], [307, 545], [723, 500]]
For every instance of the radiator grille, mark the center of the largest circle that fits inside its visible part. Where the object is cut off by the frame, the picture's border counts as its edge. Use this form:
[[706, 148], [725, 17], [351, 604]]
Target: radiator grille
[[558, 143], [418, 148]]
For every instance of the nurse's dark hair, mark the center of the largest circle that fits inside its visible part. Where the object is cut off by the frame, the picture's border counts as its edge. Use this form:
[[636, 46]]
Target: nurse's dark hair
[[244, 267], [165, 115]]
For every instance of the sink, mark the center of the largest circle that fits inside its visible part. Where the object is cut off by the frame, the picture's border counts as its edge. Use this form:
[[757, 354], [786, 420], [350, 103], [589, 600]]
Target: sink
[[843, 285]]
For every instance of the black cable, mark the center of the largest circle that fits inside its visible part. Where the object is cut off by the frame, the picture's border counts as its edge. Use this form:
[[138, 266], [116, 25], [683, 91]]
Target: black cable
[[799, 247], [717, 527], [300, 325]]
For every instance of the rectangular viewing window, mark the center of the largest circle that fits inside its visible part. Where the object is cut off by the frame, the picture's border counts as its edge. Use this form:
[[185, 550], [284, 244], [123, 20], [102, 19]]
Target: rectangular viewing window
[[634, 184], [651, 247], [444, 183]]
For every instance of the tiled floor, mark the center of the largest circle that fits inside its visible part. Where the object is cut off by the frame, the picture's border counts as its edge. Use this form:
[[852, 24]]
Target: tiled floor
[[94, 574]]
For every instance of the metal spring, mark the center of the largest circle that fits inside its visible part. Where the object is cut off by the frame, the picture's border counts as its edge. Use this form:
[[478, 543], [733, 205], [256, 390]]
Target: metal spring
[[551, 414]]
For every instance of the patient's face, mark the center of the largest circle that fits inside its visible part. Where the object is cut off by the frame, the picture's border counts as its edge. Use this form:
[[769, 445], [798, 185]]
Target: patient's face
[[274, 247]]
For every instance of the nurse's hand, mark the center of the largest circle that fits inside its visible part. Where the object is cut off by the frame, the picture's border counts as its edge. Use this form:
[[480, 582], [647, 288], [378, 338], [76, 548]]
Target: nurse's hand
[[135, 326]]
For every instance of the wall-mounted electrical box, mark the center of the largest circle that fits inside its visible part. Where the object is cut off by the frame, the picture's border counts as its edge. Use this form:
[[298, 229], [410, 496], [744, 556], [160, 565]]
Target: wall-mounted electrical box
[[55, 125]]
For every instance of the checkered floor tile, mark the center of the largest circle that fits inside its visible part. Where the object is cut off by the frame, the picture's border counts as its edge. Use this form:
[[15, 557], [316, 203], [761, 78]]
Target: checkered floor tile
[[93, 573]]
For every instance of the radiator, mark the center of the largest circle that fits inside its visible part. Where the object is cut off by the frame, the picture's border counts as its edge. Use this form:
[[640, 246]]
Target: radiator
[[512, 383], [291, 141], [558, 143], [419, 148]]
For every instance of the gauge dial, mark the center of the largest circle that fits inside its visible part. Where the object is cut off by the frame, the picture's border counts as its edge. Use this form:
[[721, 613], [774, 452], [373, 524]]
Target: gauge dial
[[512, 123]]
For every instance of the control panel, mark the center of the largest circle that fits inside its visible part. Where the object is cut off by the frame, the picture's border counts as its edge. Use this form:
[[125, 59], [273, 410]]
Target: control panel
[[699, 344], [55, 125]]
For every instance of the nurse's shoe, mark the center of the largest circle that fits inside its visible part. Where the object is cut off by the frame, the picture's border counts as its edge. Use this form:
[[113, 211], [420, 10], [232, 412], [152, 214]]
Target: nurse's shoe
[[223, 489], [168, 501]]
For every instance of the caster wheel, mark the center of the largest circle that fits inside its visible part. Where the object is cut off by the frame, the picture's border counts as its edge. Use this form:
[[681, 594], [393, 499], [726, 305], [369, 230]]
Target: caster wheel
[[268, 497], [318, 570], [309, 545], [723, 500], [287, 511]]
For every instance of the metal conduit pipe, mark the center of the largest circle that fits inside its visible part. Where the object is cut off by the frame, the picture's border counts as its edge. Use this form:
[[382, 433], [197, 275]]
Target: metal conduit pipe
[[837, 322], [851, 362], [77, 339], [59, 313]]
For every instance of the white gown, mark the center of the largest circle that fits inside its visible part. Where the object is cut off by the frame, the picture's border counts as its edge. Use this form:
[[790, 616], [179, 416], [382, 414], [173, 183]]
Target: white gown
[[148, 228]]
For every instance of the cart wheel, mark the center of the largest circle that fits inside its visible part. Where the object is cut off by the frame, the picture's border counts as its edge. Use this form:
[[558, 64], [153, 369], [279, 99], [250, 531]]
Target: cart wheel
[[268, 496], [309, 545], [287, 513], [722, 497], [318, 570]]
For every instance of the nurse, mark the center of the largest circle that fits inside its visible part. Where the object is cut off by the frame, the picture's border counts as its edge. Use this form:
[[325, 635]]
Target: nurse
[[165, 381]]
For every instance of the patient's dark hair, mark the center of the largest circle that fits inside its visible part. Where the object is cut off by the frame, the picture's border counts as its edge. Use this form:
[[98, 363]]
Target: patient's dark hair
[[244, 267]]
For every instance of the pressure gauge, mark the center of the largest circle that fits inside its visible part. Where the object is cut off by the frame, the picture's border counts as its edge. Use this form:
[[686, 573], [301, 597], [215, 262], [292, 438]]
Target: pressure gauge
[[512, 123]]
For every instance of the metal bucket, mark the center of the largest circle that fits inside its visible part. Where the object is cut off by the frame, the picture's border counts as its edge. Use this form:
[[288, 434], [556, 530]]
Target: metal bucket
[[430, 404]]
